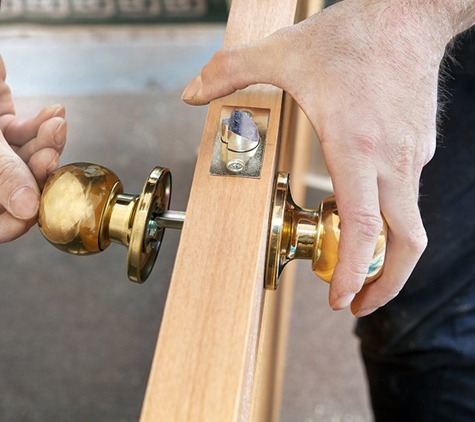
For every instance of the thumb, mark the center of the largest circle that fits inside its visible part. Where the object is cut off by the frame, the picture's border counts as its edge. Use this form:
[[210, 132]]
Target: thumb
[[236, 68], [19, 192]]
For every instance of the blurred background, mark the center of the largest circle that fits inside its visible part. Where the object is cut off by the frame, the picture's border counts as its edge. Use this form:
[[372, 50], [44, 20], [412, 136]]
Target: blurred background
[[76, 338]]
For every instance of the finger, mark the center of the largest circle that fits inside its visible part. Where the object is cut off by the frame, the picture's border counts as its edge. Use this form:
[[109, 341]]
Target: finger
[[407, 241], [356, 191], [42, 164], [12, 228], [3, 71], [51, 134], [18, 132], [6, 103], [19, 193], [238, 67]]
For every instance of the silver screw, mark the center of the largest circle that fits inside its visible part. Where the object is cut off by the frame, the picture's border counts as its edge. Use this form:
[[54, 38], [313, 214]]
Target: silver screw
[[151, 234], [236, 166]]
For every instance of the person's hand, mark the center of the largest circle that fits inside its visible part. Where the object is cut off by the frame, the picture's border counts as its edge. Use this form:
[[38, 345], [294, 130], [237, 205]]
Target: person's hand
[[29, 152], [366, 75]]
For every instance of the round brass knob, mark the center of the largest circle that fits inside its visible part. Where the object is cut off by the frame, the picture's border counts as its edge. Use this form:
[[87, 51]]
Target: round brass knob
[[84, 208], [297, 233]]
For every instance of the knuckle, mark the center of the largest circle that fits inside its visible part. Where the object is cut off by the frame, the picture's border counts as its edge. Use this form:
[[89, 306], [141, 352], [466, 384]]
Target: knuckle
[[8, 169], [417, 241], [220, 58], [367, 144], [216, 65], [224, 66], [224, 61], [358, 270], [404, 156], [368, 226], [409, 156], [367, 223]]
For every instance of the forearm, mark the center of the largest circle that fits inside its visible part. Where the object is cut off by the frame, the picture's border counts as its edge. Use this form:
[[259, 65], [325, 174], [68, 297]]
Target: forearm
[[460, 13], [415, 31], [447, 18]]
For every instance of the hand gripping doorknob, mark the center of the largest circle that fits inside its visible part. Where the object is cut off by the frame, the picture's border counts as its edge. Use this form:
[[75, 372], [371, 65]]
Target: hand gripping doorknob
[[297, 233], [84, 208]]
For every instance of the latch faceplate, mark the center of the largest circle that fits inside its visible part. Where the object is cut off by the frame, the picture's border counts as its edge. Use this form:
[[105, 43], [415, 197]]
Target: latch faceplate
[[240, 142]]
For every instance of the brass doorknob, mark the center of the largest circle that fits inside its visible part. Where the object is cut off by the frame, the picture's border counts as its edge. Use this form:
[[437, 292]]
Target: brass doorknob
[[84, 208], [297, 233]]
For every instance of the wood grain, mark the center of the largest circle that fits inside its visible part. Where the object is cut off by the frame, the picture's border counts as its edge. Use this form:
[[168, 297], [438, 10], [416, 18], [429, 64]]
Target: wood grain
[[205, 360], [219, 357]]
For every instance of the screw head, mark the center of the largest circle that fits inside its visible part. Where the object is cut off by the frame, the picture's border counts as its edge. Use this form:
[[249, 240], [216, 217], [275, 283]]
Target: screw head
[[152, 234], [236, 166]]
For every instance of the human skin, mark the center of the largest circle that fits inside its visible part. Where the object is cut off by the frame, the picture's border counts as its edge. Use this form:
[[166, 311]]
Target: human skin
[[365, 72], [29, 152]]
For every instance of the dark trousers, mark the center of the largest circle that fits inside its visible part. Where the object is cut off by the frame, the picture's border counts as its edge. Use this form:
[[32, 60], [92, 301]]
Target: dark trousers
[[419, 350]]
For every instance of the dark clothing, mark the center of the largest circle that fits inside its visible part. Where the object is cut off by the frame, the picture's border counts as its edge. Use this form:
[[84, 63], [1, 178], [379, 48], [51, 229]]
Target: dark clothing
[[419, 349]]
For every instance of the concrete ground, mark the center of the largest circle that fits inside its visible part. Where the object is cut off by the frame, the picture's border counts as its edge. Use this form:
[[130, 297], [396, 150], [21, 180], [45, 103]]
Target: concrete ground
[[76, 338]]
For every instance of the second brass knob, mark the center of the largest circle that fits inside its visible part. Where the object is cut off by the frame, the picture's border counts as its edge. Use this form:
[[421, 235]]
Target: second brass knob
[[297, 233]]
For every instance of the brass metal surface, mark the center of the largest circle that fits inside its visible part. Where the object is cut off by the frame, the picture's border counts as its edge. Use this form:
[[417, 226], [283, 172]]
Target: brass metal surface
[[73, 204], [146, 236], [297, 233], [83, 209]]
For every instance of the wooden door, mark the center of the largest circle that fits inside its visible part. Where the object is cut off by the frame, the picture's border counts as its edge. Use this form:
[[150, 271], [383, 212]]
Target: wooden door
[[221, 346]]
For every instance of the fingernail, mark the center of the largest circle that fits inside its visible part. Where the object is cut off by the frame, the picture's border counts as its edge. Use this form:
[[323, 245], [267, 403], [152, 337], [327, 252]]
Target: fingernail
[[59, 112], [59, 136], [53, 165], [24, 203], [343, 301], [364, 312], [192, 89]]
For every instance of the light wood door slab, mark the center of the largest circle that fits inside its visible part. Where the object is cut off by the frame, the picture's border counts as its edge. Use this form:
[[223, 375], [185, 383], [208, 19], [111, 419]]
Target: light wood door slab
[[204, 367]]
